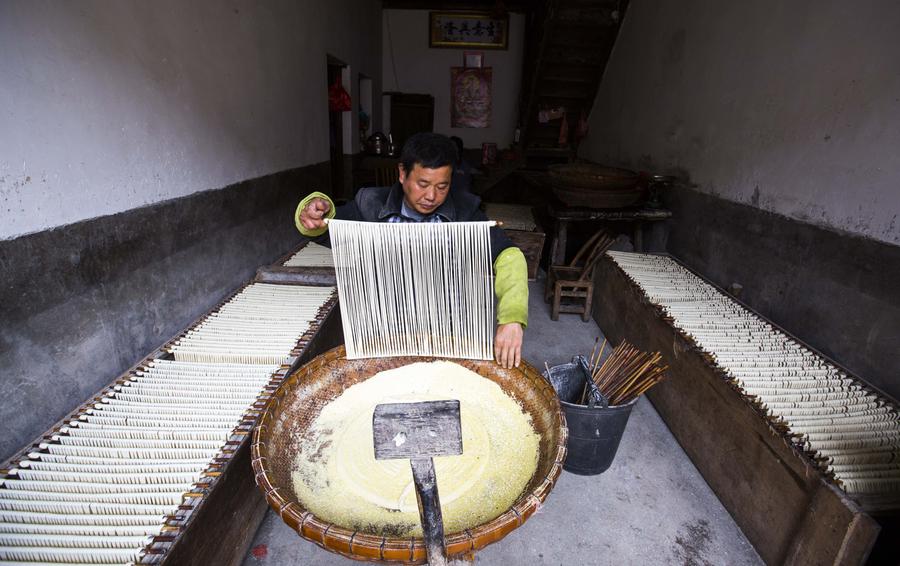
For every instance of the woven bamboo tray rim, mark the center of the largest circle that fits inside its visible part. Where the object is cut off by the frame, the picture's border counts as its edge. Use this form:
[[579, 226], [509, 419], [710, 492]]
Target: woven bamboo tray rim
[[592, 176], [408, 550]]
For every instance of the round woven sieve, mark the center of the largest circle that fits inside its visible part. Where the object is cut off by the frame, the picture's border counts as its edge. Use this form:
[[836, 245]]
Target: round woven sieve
[[297, 403]]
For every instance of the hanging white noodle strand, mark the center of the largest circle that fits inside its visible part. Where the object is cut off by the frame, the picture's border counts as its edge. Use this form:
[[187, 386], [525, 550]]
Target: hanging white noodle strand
[[423, 289]]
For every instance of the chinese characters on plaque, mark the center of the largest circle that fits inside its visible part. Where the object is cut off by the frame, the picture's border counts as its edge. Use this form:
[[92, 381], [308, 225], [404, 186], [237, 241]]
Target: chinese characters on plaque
[[450, 29]]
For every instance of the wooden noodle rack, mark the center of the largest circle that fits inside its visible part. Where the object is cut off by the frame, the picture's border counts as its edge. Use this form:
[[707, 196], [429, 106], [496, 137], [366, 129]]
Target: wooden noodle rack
[[779, 494], [195, 533]]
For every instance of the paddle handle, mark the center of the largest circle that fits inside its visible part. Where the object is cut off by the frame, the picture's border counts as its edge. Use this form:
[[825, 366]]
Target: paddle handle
[[429, 510]]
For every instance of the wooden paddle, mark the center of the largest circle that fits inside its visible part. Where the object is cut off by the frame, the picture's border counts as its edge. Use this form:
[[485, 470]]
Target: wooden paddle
[[420, 431]]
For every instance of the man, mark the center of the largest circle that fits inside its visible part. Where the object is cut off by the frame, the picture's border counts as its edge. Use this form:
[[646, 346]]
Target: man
[[423, 194]]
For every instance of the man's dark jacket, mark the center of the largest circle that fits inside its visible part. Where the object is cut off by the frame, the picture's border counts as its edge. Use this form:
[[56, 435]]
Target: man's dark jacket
[[379, 204]]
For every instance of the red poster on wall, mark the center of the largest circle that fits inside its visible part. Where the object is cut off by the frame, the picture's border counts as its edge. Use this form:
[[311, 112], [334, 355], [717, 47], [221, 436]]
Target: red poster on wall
[[470, 96]]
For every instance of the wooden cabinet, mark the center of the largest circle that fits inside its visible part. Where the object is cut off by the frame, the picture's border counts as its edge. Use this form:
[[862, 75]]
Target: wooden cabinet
[[410, 114]]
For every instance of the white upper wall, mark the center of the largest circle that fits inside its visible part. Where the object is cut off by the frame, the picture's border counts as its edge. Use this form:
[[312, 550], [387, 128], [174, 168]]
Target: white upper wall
[[422, 70], [793, 107], [107, 106]]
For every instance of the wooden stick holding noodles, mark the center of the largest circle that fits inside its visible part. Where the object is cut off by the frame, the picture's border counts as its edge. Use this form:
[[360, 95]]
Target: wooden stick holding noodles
[[611, 366], [599, 357], [593, 351], [652, 372], [627, 372]]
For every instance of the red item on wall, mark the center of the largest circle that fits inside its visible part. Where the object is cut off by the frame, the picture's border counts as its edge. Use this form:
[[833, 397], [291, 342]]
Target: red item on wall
[[338, 98]]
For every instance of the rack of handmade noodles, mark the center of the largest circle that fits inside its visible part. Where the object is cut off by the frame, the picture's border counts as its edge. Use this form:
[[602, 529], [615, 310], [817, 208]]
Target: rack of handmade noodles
[[132, 475], [730, 366], [309, 263], [309, 254]]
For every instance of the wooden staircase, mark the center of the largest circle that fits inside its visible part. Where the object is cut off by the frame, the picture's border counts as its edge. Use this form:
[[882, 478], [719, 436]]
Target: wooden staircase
[[569, 42]]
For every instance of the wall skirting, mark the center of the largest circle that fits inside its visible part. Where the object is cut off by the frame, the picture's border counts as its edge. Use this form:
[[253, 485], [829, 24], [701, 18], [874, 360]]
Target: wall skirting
[[838, 292], [81, 303]]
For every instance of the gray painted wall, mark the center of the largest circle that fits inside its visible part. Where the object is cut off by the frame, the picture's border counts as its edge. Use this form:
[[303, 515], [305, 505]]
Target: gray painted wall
[[153, 153], [82, 303], [112, 105], [423, 70], [785, 117], [792, 107], [837, 292]]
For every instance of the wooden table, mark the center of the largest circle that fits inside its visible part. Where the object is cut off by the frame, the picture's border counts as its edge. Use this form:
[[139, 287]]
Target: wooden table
[[563, 215]]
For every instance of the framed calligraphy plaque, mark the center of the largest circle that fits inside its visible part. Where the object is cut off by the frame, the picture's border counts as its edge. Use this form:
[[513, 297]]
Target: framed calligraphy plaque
[[457, 29]]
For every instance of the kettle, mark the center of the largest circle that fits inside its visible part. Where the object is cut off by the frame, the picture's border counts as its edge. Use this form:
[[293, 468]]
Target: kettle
[[377, 144]]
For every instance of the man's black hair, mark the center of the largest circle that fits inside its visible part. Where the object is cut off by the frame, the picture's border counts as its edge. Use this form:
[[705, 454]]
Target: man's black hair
[[428, 150]]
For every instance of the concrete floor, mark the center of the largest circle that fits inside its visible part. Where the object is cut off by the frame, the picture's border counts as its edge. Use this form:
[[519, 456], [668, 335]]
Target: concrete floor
[[651, 507]]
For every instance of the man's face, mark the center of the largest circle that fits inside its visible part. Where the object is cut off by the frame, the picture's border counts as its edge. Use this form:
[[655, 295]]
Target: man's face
[[426, 189]]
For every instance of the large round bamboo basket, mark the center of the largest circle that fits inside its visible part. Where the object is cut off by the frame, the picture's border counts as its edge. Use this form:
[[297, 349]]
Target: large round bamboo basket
[[595, 186], [302, 396]]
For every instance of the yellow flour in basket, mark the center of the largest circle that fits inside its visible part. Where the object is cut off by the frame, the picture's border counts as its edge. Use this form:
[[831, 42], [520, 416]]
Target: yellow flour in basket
[[336, 476]]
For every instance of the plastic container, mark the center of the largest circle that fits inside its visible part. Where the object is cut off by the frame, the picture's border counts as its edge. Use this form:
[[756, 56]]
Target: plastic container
[[594, 429]]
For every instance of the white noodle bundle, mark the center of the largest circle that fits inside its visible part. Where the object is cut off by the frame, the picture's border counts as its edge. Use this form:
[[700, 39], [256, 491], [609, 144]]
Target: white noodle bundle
[[831, 413], [311, 255], [422, 289]]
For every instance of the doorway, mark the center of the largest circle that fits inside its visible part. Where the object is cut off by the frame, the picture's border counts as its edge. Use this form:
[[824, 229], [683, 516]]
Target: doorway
[[336, 69]]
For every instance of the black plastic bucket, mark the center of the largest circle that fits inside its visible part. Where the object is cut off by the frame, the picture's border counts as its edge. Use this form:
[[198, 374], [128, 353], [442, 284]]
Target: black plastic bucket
[[594, 432]]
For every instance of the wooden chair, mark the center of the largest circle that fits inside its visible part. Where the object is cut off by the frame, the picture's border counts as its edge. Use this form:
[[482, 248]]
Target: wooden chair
[[387, 176], [576, 282]]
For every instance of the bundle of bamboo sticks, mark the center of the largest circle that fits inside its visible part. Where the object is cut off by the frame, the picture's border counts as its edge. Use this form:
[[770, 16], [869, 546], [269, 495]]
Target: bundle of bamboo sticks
[[626, 374]]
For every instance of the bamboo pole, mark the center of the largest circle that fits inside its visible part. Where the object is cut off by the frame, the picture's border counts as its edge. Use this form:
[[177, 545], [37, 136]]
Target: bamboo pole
[[626, 373]]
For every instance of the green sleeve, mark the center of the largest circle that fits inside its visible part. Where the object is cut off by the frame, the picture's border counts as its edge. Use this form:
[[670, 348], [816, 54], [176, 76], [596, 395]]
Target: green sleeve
[[303, 204], [511, 286]]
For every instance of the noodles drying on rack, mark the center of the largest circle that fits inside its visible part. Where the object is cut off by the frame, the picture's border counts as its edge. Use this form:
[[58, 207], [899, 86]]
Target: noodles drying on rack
[[420, 289], [851, 431], [311, 255], [103, 486], [260, 328]]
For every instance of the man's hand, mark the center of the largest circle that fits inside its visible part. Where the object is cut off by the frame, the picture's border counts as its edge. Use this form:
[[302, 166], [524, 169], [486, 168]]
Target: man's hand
[[312, 216], [508, 344]]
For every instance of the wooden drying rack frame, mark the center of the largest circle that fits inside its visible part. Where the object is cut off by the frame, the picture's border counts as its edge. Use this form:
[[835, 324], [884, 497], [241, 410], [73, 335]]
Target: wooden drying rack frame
[[783, 502], [195, 533]]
